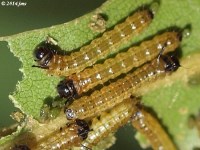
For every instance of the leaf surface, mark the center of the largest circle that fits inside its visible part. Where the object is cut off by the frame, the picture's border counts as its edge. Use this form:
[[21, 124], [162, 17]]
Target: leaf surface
[[172, 103]]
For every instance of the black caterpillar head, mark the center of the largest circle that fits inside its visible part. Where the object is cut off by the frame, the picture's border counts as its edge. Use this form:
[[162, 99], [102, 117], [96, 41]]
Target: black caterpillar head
[[43, 54], [66, 89], [171, 63], [83, 128]]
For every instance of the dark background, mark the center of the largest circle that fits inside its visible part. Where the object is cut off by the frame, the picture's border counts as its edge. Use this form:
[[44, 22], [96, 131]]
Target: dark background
[[39, 14]]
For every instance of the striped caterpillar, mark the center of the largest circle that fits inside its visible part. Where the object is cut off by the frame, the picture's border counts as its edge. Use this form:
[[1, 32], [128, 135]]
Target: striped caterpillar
[[63, 65], [143, 121], [109, 96], [71, 135], [83, 81], [109, 122], [148, 125]]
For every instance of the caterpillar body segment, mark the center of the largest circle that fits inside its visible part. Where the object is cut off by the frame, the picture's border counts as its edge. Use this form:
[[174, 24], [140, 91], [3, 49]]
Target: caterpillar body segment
[[122, 63], [110, 122], [100, 48], [64, 138], [149, 126], [114, 93]]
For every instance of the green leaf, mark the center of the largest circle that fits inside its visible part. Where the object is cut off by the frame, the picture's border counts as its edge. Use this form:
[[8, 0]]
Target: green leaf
[[173, 103], [36, 84]]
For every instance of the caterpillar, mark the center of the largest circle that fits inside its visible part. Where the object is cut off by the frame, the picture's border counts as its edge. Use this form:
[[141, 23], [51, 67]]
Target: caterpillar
[[149, 126], [114, 93], [83, 81], [109, 122], [70, 135], [64, 65]]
